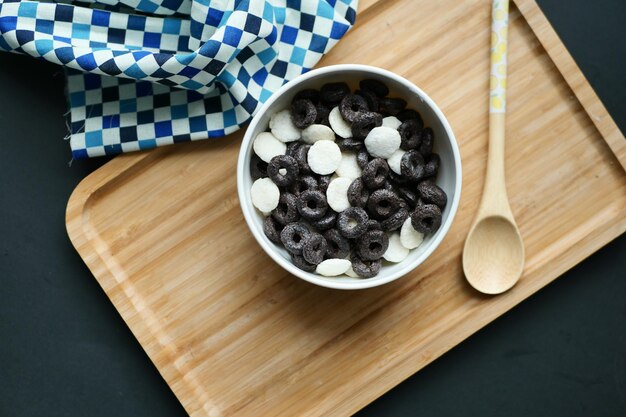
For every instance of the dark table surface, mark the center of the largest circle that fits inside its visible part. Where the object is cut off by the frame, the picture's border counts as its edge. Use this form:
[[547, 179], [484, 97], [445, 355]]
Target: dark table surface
[[65, 351]]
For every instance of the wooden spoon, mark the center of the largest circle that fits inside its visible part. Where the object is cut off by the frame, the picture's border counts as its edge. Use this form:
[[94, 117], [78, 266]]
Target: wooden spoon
[[493, 256]]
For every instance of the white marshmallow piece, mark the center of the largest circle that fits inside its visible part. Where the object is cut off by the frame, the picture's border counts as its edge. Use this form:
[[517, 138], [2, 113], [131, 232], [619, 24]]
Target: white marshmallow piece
[[283, 128], [265, 195], [314, 133], [333, 267], [337, 194], [395, 160], [266, 146], [395, 252], [392, 122], [324, 157], [382, 142], [350, 272], [348, 167], [409, 237], [339, 125]]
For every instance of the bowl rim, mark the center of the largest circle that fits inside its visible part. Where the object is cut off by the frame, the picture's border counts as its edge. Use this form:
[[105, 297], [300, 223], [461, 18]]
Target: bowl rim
[[249, 211]]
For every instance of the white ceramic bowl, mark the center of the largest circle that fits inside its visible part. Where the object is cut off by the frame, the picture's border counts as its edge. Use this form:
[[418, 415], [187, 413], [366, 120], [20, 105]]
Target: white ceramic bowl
[[449, 178]]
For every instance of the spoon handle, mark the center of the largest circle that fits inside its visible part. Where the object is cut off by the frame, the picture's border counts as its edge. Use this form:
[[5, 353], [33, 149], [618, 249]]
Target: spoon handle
[[495, 199]]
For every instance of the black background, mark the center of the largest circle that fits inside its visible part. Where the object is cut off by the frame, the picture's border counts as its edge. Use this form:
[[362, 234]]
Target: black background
[[65, 351]]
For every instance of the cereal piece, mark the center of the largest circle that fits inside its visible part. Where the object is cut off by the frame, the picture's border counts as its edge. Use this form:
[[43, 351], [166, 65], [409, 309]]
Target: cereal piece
[[323, 182], [292, 147], [312, 204], [432, 193], [397, 179], [304, 183], [301, 155], [327, 222], [392, 122], [286, 163], [282, 126], [409, 237], [432, 165], [258, 167], [264, 194], [350, 145], [300, 262], [324, 157], [352, 222], [308, 94], [395, 221], [333, 267], [375, 86], [314, 249], [370, 98], [392, 106], [334, 92], [322, 115], [303, 113], [293, 237], [373, 225], [410, 134], [365, 269], [426, 146], [408, 114], [372, 245], [383, 203], [287, 210], [396, 252], [382, 142], [266, 146], [394, 161], [358, 193], [315, 133], [362, 158], [364, 123], [426, 218], [412, 165], [348, 167], [375, 173], [337, 194], [338, 246], [351, 106], [272, 229], [338, 124], [408, 195]]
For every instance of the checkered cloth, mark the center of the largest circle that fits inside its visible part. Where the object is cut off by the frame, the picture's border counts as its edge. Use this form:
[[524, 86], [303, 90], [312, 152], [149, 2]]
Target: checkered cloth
[[145, 73]]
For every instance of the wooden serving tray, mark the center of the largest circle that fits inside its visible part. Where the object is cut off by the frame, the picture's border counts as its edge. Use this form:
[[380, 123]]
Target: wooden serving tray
[[235, 335]]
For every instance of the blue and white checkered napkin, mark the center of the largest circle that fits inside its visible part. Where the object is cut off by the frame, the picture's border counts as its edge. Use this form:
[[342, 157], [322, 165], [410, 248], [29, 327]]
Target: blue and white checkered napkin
[[145, 73]]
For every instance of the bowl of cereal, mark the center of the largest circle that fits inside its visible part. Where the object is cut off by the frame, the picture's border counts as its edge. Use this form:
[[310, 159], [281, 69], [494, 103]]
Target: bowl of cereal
[[349, 176]]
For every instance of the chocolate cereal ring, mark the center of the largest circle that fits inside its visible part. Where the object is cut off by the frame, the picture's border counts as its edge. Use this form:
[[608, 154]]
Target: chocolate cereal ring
[[351, 106], [300, 262], [352, 222], [308, 94], [377, 87], [372, 245], [327, 222], [364, 123], [272, 229], [375, 173], [412, 165], [287, 210], [314, 248], [383, 203], [370, 98], [283, 170], [332, 93], [323, 181], [432, 165], [432, 193], [312, 204], [350, 144], [426, 218], [322, 115], [258, 167], [303, 113], [392, 106], [411, 197], [395, 221], [358, 193], [410, 114], [410, 134], [301, 156], [293, 237], [292, 147], [362, 158], [365, 269], [426, 146], [338, 246], [373, 225]]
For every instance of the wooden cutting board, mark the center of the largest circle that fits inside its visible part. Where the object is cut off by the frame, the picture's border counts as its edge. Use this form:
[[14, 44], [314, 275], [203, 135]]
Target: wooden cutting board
[[235, 335]]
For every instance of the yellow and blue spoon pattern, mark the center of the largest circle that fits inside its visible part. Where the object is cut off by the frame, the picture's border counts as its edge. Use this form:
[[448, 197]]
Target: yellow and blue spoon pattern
[[499, 35]]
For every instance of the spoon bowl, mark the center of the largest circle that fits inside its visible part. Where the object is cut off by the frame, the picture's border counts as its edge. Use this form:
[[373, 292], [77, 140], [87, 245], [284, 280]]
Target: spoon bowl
[[493, 257]]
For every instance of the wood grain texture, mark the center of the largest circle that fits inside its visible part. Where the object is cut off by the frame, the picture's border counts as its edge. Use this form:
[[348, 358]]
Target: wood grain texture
[[235, 335]]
